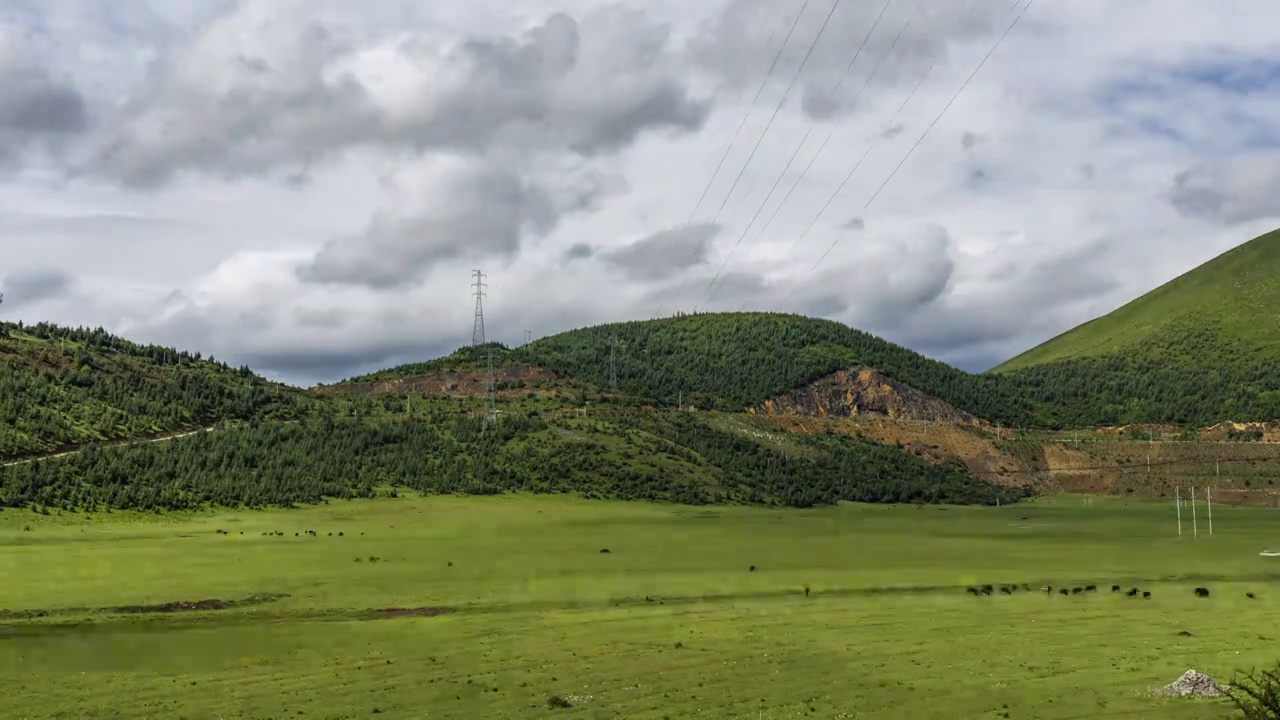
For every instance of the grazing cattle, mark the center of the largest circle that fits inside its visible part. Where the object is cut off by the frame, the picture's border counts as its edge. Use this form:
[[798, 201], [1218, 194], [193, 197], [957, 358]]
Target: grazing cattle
[[1250, 595], [339, 534], [1075, 591], [972, 591], [987, 589], [1115, 588], [1064, 591], [604, 551], [1026, 587], [1047, 589], [1131, 592], [1202, 592], [1006, 591], [751, 569], [1146, 593], [1091, 588]]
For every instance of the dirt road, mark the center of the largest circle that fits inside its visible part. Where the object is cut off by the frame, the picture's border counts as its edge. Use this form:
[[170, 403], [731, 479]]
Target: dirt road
[[64, 453]]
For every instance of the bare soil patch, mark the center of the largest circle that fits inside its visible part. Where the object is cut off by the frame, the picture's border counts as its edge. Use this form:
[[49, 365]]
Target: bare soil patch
[[197, 605], [389, 613]]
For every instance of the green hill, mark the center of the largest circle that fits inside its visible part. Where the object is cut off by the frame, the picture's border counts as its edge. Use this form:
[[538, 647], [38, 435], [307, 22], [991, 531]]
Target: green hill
[[1235, 295], [730, 361], [464, 359], [1202, 348], [62, 386]]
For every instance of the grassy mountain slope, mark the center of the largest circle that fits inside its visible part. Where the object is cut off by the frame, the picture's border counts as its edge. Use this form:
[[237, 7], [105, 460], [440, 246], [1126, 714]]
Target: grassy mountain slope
[[1200, 349], [61, 386], [1235, 296]]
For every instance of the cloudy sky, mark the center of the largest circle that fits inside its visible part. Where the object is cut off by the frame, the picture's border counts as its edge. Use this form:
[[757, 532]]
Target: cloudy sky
[[306, 186]]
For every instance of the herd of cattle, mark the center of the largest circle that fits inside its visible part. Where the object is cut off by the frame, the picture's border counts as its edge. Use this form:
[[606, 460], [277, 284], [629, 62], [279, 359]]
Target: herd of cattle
[[1048, 590]]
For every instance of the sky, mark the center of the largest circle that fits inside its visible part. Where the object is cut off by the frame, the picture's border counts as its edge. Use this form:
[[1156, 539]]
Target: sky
[[306, 186]]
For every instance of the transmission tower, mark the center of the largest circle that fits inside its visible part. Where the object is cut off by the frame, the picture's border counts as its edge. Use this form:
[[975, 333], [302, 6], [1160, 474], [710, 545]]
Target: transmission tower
[[477, 329], [490, 406]]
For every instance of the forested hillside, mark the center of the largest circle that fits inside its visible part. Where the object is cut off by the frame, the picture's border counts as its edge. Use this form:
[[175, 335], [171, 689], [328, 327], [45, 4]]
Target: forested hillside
[[681, 457], [730, 361], [464, 359], [62, 386], [1200, 349]]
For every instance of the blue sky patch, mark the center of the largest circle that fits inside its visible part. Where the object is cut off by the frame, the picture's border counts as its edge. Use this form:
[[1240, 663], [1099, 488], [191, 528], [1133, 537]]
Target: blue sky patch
[[1240, 75], [1211, 101]]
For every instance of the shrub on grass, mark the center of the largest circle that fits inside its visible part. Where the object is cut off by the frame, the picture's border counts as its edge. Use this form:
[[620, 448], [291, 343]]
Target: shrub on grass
[[1256, 694], [556, 701]]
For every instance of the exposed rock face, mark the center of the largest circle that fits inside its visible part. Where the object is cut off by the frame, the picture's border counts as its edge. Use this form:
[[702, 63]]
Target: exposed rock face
[[507, 379], [863, 391]]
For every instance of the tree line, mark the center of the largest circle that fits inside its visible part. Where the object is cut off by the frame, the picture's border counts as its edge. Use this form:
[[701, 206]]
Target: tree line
[[624, 454]]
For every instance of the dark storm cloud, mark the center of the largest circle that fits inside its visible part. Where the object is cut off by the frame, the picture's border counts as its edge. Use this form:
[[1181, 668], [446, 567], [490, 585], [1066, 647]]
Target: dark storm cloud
[[1230, 190], [28, 287], [327, 364], [579, 251], [745, 31], [481, 211], [664, 253], [586, 87], [32, 103], [36, 112]]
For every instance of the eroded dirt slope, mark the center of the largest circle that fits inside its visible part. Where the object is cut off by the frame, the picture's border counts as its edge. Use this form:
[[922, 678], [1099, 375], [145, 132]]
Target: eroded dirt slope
[[860, 392]]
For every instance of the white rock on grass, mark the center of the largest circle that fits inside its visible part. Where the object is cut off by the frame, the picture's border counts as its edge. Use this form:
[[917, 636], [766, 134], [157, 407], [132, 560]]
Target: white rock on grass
[[1192, 684]]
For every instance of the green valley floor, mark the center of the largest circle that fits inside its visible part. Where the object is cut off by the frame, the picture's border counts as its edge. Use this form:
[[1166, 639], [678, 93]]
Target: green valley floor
[[448, 607]]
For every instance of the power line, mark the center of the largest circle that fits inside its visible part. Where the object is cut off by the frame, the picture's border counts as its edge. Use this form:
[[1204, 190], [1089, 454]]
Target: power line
[[865, 154], [786, 94], [803, 140], [764, 82], [918, 141], [874, 142], [831, 133]]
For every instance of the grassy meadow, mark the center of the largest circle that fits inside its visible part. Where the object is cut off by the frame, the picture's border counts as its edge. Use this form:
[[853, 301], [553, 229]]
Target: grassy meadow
[[670, 623]]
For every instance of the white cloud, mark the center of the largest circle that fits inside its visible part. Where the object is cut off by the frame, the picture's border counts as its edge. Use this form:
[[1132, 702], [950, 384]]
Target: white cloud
[[227, 159]]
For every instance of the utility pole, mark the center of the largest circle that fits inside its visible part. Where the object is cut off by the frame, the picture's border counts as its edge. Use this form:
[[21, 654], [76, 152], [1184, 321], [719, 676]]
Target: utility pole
[[528, 336], [1177, 503], [477, 328]]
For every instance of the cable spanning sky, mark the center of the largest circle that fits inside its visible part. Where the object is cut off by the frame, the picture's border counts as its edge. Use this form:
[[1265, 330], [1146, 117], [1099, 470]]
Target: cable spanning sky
[[305, 187]]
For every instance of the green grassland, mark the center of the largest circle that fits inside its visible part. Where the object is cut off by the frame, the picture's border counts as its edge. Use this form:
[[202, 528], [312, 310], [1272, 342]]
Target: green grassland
[[669, 623]]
